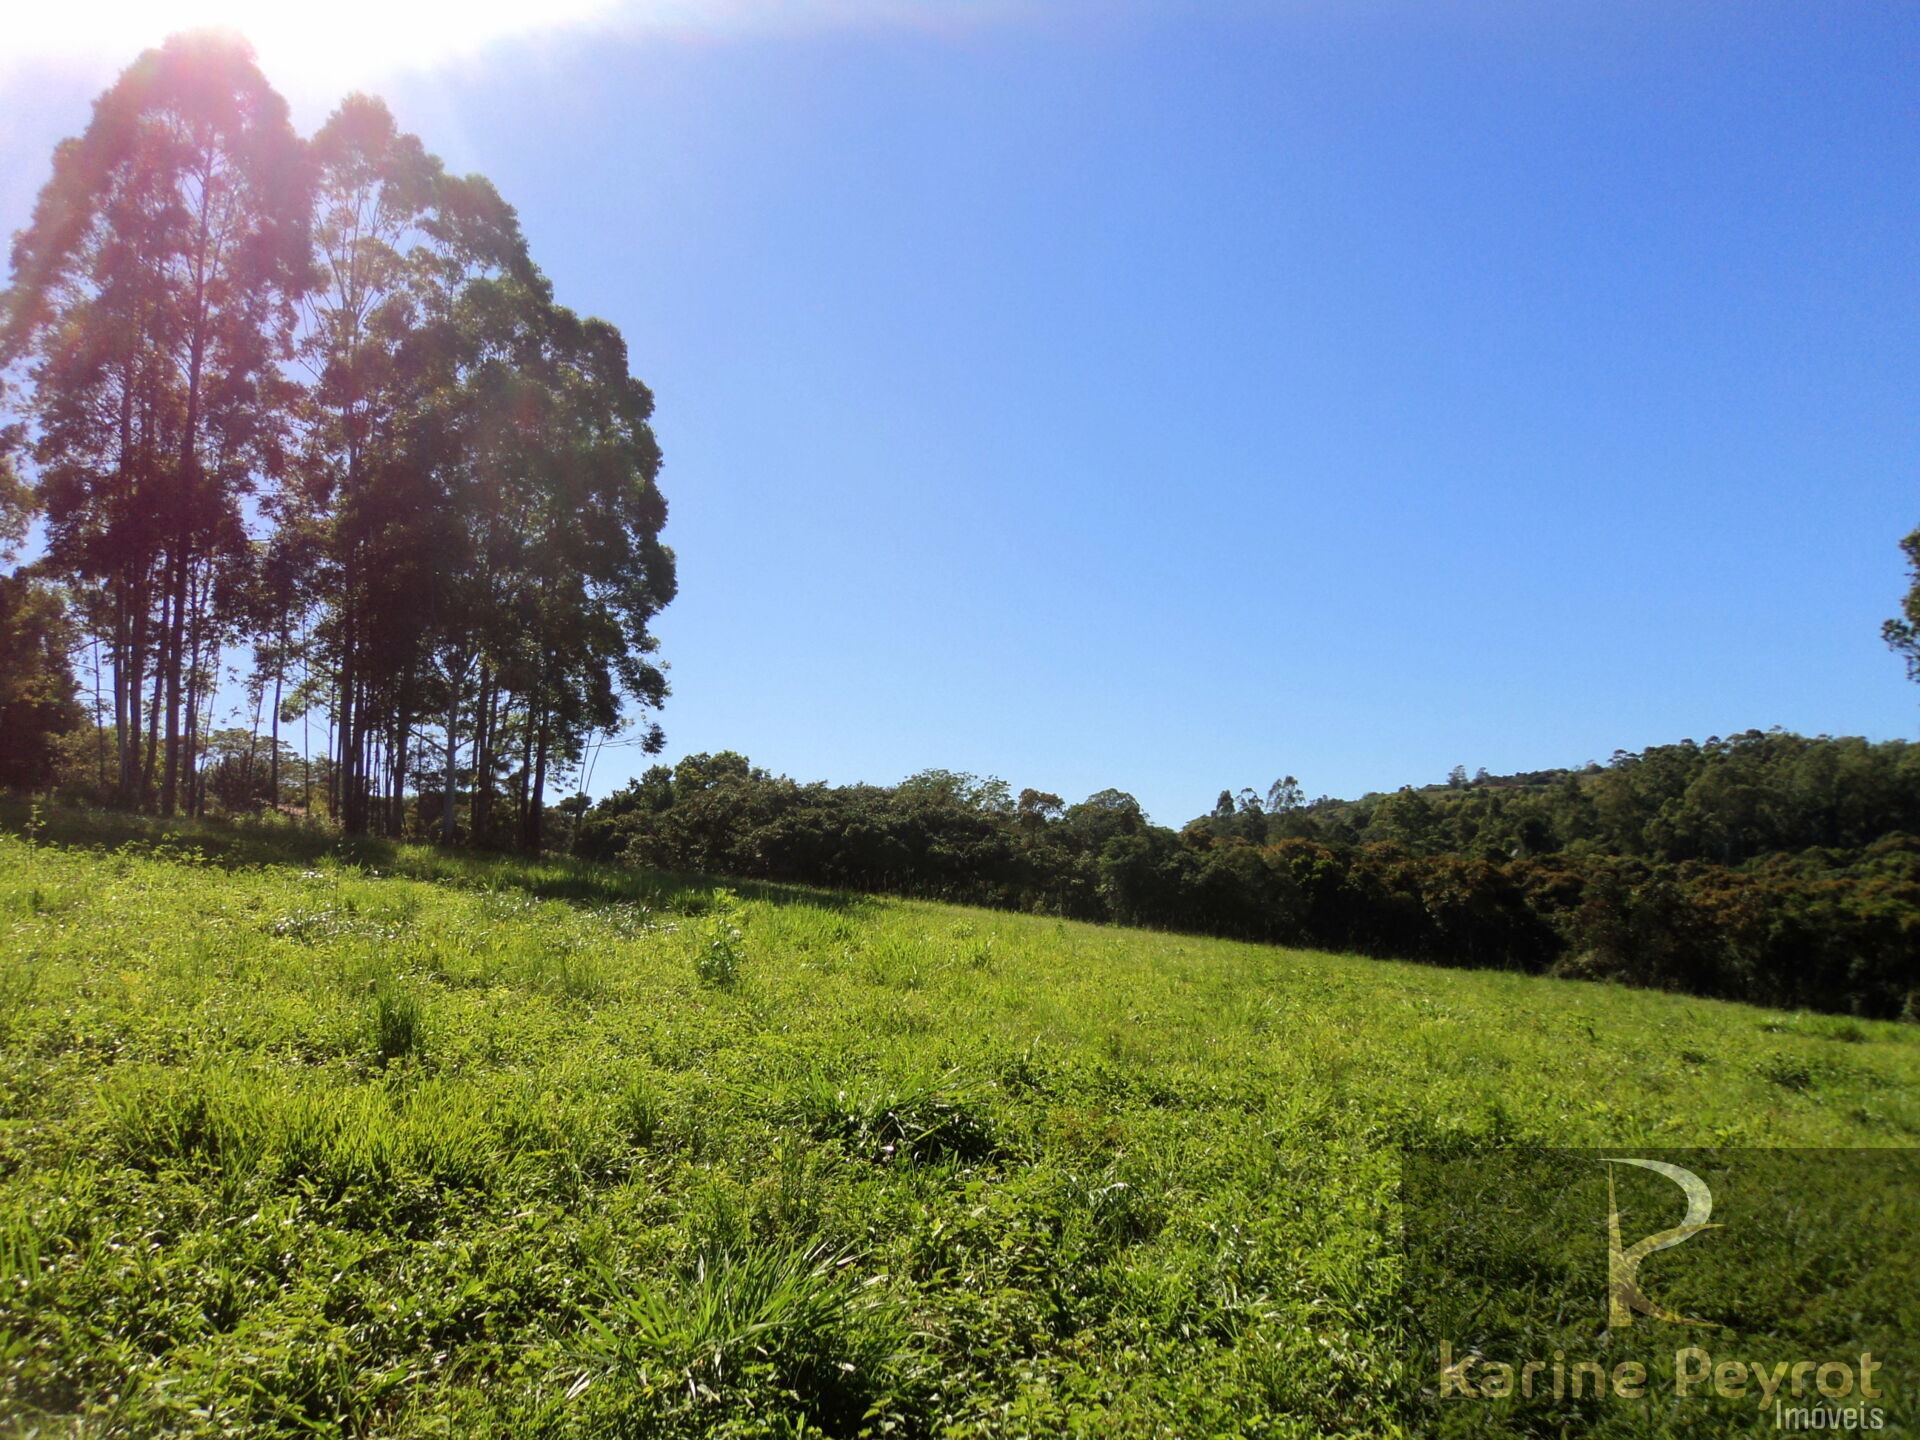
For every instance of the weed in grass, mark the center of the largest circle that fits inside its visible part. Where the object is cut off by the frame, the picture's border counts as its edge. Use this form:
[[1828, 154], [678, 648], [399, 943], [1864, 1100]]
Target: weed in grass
[[793, 1193], [395, 1022], [918, 1120], [1787, 1072], [158, 1116], [639, 1111], [566, 966], [626, 920], [718, 954], [971, 949], [790, 1324], [718, 1216]]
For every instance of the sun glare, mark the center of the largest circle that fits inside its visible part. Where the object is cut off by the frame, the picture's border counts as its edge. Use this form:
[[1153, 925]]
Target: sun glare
[[341, 42], [320, 48]]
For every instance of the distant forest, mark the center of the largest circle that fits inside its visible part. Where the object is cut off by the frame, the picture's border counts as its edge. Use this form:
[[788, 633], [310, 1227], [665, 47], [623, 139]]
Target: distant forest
[[1767, 866], [308, 404]]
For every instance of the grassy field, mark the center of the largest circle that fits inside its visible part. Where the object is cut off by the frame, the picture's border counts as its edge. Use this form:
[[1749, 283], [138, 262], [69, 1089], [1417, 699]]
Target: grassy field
[[301, 1141]]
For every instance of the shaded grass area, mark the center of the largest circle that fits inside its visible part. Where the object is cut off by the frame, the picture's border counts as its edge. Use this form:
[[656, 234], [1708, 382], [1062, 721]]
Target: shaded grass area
[[389, 1141], [249, 843]]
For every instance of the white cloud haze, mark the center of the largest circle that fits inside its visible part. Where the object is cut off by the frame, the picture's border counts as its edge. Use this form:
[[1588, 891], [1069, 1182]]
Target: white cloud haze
[[351, 41]]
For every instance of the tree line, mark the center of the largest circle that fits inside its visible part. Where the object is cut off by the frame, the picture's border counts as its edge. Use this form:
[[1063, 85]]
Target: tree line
[[309, 403], [1725, 800], [1769, 867]]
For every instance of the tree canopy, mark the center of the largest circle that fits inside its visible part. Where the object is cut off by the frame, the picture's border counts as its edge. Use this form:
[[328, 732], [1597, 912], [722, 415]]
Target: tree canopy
[[313, 400]]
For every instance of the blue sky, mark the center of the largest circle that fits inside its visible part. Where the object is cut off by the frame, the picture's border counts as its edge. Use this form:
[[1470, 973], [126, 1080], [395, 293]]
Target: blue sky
[[1172, 396]]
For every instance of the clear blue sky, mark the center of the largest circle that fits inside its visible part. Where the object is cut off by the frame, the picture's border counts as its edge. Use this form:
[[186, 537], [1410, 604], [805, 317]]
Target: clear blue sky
[[1171, 396]]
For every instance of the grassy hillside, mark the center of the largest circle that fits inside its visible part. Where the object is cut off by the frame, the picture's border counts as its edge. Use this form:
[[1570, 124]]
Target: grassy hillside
[[401, 1143]]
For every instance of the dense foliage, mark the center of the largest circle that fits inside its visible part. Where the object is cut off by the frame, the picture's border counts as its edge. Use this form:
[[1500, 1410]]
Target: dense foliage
[[1772, 867], [312, 400], [37, 704]]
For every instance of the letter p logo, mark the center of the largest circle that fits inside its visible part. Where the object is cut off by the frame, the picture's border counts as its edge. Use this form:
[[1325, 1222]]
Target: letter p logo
[[1624, 1295]]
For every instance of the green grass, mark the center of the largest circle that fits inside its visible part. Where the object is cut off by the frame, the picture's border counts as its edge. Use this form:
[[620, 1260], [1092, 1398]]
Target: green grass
[[297, 1140]]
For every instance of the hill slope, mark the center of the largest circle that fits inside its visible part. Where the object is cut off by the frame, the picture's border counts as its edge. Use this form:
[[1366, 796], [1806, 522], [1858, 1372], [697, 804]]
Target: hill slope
[[415, 1144]]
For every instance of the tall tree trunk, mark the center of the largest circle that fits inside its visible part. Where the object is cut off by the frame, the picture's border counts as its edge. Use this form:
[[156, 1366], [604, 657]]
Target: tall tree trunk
[[306, 729], [99, 723], [526, 776], [537, 800], [397, 806], [273, 760], [447, 799], [333, 764], [481, 817], [365, 761], [121, 648], [351, 810], [346, 743], [173, 662], [126, 716], [163, 626], [187, 496], [203, 725], [128, 679], [333, 761], [194, 679], [253, 744]]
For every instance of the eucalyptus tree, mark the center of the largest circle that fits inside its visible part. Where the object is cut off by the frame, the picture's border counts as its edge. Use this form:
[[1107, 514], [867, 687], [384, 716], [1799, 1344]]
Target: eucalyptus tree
[[457, 515], [374, 499], [1285, 796], [564, 513], [152, 300]]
